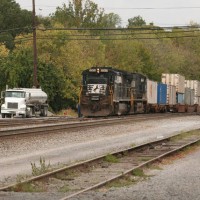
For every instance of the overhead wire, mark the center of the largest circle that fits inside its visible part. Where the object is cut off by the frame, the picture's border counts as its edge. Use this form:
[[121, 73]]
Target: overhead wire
[[132, 8], [93, 39], [154, 8], [14, 29], [121, 29], [150, 28], [110, 32]]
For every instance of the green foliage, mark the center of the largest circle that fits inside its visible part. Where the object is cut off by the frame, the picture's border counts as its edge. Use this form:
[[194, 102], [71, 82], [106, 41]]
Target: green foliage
[[138, 172], [41, 169], [64, 188], [80, 13], [13, 21], [27, 187], [136, 22], [111, 20], [112, 159]]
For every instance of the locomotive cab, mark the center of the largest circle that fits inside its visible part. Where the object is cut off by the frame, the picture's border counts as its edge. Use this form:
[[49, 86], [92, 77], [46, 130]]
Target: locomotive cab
[[106, 91], [95, 98]]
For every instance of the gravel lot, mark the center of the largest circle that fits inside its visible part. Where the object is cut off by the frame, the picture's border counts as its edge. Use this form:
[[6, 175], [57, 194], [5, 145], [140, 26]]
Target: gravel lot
[[17, 153]]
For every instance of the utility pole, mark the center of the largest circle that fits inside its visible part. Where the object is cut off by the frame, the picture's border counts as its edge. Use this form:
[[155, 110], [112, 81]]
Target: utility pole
[[35, 82]]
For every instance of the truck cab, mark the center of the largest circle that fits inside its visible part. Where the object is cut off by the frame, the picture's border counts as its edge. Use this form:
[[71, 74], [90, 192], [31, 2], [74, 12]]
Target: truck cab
[[23, 102]]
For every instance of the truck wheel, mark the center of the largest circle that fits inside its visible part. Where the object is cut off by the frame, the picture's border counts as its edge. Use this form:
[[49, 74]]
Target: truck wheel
[[30, 113], [8, 116], [3, 115], [45, 111]]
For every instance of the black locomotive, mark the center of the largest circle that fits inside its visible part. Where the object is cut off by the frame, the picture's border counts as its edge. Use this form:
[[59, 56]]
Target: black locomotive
[[107, 91]]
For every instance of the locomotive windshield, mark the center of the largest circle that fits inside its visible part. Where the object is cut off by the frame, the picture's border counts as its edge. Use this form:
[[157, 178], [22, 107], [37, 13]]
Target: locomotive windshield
[[96, 80], [15, 94]]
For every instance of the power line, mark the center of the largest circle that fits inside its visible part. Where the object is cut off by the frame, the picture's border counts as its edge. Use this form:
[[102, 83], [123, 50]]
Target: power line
[[182, 28], [93, 39], [131, 8], [132, 33], [14, 29], [154, 8], [119, 29], [135, 30], [112, 31]]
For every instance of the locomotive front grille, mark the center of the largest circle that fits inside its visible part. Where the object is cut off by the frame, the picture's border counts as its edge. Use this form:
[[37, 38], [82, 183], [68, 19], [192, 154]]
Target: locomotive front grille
[[95, 98], [13, 105]]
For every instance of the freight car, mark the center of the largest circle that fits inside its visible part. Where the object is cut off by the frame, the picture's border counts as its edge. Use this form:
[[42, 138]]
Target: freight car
[[108, 91]]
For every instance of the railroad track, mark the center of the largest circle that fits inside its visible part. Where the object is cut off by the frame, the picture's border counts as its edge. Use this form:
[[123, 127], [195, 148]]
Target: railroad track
[[34, 121], [63, 126], [97, 172]]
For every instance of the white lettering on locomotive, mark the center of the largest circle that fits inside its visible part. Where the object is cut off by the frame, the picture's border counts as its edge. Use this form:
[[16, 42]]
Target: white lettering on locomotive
[[96, 88]]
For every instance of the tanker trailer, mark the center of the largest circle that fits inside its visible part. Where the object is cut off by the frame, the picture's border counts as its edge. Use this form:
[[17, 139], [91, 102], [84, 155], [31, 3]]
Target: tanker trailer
[[25, 102]]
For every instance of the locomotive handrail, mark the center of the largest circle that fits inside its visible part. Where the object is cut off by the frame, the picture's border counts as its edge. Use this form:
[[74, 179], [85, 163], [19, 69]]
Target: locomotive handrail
[[111, 95]]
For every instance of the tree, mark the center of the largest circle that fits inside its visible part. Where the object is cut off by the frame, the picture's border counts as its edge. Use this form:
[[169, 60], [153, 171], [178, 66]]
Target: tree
[[13, 21], [78, 14], [111, 20], [136, 22], [84, 13]]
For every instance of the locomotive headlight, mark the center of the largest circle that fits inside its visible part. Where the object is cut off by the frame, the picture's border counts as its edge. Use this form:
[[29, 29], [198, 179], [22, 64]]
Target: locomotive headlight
[[98, 70]]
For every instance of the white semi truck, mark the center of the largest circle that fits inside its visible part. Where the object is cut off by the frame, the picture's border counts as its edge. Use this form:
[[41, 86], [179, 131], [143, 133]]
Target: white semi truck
[[24, 102]]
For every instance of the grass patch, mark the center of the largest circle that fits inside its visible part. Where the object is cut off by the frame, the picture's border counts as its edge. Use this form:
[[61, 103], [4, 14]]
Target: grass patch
[[144, 159], [21, 178], [123, 182], [111, 159], [67, 112], [64, 188], [154, 166], [185, 135], [125, 153], [41, 169], [138, 172], [27, 187], [133, 145], [65, 176]]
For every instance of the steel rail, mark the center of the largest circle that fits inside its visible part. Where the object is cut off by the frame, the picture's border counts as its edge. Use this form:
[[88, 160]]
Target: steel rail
[[77, 125], [22, 122]]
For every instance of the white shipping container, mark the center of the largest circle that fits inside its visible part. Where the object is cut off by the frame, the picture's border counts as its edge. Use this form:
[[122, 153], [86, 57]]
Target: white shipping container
[[189, 96], [171, 94], [176, 80], [193, 84], [197, 100], [151, 92]]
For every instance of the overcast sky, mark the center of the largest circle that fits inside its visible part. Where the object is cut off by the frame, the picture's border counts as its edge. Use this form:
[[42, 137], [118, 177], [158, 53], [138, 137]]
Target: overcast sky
[[160, 12]]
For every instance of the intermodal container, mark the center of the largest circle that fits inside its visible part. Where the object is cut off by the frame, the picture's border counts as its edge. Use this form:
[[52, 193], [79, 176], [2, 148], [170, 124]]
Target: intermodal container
[[189, 96], [151, 92], [180, 98], [193, 84], [162, 93], [171, 94], [176, 80], [197, 100]]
